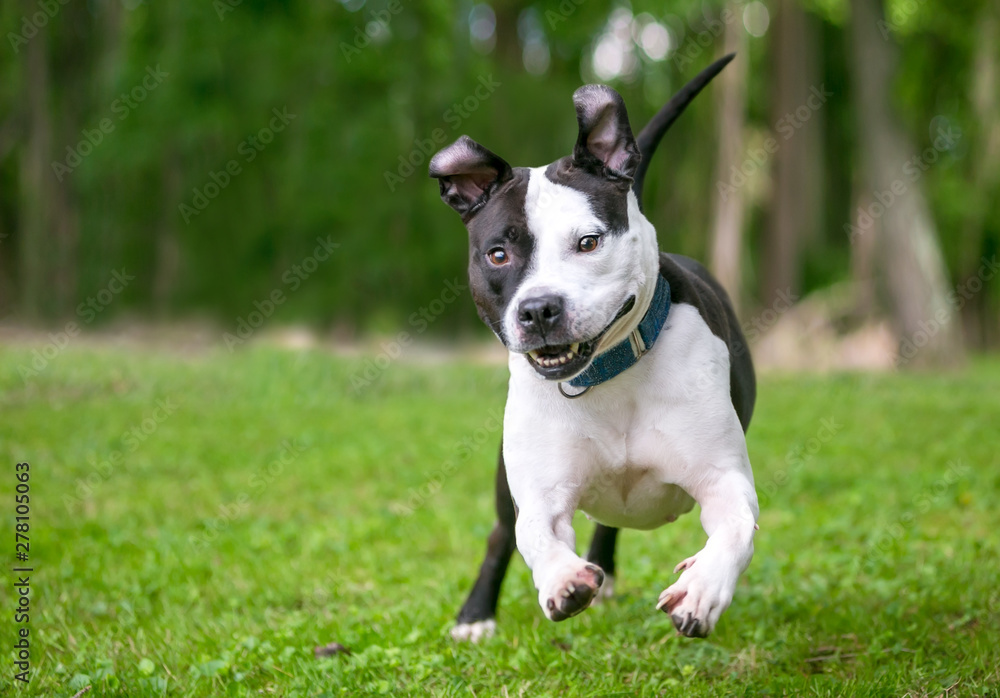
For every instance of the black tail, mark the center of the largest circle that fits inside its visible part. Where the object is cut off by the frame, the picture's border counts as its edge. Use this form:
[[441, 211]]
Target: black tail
[[650, 136]]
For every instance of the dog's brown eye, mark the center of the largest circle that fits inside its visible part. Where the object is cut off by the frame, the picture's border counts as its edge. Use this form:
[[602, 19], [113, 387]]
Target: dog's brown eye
[[588, 243], [498, 256]]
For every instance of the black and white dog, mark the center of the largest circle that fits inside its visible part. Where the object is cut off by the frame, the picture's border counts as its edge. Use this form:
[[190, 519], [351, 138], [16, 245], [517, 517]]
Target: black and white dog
[[631, 386]]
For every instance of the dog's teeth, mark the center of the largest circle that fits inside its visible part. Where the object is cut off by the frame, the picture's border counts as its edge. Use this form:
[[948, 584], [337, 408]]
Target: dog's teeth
[[558, 360]]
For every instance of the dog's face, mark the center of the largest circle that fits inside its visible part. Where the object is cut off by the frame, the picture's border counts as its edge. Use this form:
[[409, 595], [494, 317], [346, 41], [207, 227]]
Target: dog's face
[[560, 257]]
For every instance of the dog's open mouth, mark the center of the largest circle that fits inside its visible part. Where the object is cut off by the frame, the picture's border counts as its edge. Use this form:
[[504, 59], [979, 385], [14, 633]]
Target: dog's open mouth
[[560, 354], [559, 361]]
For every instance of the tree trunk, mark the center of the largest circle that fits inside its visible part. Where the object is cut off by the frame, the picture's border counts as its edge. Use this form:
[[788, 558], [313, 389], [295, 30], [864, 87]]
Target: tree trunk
[[168, 248], [167, 260], [50, 225], [727, 229], [907, 247], [980, 316], [795, 211], [863, 264], [36, 177], [9, 135]]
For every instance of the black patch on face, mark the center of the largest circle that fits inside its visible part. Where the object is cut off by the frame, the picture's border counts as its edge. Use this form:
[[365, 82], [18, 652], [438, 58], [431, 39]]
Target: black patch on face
[[502, 222], [608, 199]]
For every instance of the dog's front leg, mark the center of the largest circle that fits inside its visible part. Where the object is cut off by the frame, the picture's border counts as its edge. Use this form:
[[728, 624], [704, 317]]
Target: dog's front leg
[[705, 589], [544, 530]]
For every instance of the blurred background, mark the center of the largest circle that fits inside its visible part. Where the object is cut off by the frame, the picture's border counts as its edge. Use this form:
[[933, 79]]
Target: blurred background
[[242, 162], [180, 179]]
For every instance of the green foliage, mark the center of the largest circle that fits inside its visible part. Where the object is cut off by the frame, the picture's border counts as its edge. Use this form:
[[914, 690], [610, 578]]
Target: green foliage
[[359, 108], [275, 510]]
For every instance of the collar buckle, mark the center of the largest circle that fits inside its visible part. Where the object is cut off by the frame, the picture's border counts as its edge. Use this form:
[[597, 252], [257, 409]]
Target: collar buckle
[[638, 344]]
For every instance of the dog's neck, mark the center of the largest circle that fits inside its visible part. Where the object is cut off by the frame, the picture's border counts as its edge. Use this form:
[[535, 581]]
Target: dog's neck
[[627, 353]]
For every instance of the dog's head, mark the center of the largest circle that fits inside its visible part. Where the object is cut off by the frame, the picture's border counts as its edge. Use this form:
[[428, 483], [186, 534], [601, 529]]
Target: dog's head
[[562, 263]]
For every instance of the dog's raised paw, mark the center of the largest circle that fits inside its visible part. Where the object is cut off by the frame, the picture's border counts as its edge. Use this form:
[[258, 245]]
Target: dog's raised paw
[[689, 626], [474, 632], [574, 594], [685, 613], [696, 600], [606, 591], [684, 564], [669, 600]]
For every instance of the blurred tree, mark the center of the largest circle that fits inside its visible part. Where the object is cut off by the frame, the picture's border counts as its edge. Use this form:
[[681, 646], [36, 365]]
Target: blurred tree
[[984, 175], [908, 250], [795, 209], [375, 87], [730, 208], [42, 200]]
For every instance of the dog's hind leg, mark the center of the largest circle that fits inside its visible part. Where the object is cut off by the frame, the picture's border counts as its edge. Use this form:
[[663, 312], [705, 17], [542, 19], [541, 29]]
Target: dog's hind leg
[[477, 617], [602, 554]]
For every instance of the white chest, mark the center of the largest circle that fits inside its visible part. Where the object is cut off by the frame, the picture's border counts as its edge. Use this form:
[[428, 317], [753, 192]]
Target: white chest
[[632, 452]]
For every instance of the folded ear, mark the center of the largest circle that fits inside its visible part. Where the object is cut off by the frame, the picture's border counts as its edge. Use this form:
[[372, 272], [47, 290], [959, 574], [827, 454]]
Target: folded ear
[[468, 174], [605, 144]]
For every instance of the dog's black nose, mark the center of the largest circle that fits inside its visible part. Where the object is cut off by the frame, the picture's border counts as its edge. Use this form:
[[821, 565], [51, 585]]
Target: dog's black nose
[[541, 313]]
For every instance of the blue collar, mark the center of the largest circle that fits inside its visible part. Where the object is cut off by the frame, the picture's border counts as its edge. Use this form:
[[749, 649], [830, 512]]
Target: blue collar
[[623, 356]]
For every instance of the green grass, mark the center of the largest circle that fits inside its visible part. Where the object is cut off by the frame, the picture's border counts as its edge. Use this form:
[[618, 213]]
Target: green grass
[[200, 565]]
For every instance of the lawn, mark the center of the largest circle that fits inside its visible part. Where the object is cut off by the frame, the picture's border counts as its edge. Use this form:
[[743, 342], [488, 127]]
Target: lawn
[[200, 522]]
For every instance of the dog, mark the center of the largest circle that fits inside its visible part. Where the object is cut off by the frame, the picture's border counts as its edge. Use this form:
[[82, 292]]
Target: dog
[[631, 385]]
